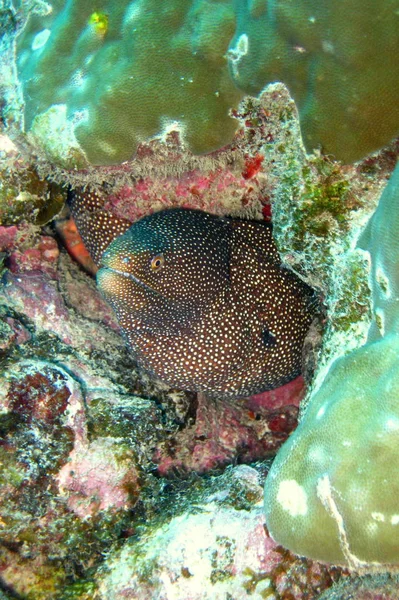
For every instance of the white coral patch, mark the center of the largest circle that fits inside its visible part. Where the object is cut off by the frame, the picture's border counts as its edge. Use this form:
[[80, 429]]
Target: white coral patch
[[78, 79], [377, 516], [80, 116], [235, 54], [292, 498], [132, 15], [317, 455], [107, 148], [170, 126], [40, 39], [392, 424]]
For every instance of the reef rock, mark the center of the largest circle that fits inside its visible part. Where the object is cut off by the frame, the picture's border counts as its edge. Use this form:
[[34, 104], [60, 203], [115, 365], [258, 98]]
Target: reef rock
[[214, 550], [333, 491]]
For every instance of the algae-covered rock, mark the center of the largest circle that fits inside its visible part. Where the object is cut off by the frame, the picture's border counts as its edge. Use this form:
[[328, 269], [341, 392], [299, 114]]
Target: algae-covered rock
[[332, 493], [24, 195], [381, 586], [211, 548]]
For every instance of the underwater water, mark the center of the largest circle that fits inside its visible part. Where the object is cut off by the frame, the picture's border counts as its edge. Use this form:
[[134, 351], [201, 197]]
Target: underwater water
[[199, 258]]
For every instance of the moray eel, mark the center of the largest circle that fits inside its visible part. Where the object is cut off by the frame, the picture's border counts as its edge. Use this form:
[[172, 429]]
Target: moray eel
[[204, 301]]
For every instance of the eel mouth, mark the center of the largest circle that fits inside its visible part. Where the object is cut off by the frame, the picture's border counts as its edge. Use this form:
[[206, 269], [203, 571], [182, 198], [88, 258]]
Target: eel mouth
[[106, 278]]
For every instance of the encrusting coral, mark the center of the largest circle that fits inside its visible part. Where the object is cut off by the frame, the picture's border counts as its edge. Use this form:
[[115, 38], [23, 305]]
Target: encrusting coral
[[121, 72], [336, 60], [333, 492]]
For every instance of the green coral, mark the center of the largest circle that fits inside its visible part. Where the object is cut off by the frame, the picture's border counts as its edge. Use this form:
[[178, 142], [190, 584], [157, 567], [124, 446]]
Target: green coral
[[332, 493], [338, 60], [100, 77], [154, 63]]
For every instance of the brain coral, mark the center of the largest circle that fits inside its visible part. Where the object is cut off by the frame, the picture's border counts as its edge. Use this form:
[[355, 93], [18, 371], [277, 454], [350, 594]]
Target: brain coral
[[99, 77], [333, 492]]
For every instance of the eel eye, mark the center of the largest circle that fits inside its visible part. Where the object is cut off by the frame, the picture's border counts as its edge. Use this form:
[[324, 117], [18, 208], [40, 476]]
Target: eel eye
[[157, 262]]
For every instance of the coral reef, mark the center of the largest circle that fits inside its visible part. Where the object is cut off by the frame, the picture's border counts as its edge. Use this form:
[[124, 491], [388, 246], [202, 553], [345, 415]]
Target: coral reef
[[108, 465], [216, 549], [319, 500], [85, 436], [43, 425], [24, 196], [242, 430], [107, 481], [99, 78]]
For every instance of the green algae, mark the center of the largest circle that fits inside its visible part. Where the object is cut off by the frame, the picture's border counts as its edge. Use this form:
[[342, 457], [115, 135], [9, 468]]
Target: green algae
[[81, 590], [322, 201], [25, 197], [126, 420]]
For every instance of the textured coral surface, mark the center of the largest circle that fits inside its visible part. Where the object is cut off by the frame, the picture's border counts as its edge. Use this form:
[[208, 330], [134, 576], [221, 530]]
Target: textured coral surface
[[100, 77]]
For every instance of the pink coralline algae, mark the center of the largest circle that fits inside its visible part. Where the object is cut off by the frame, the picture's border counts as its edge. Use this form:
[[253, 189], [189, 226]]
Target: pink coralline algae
[[42, 257], [99, 476], [244, 431], [213, 192]]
